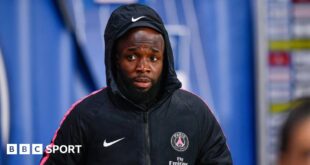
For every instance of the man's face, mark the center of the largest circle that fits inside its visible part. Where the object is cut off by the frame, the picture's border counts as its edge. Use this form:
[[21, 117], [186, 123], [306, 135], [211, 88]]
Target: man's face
[[140, 58], [298, 152]]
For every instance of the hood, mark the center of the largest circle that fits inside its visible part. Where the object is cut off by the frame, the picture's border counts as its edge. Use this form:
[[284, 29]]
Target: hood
[[125, 18]]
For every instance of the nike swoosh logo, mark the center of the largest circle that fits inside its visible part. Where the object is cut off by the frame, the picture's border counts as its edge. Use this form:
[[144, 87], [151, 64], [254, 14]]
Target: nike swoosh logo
[[136, 19], [107, 144]]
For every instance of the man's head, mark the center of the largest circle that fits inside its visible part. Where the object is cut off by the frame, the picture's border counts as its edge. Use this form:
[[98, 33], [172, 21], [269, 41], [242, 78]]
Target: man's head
[[295, 137], [140, 56], [139, 63]]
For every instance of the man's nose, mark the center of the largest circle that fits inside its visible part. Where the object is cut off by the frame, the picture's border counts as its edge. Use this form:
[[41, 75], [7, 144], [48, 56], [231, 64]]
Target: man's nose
[[143, 65]]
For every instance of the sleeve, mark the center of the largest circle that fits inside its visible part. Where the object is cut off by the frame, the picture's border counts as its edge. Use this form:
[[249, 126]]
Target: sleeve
[[213, 150], [67, 145]]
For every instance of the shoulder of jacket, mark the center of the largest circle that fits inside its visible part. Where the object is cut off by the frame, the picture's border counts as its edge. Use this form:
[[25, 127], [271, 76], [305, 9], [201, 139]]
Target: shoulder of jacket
[[191, 100], [188, 97], [91, 101]]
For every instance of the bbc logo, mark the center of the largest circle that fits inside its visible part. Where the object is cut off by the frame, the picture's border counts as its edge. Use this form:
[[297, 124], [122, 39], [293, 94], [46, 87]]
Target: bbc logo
[[24, 149], [37, 149]]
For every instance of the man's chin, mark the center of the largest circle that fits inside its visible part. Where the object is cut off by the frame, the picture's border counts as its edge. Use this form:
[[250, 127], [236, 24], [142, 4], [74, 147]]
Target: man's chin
[[141, 90], [142, 86], [139, 94]]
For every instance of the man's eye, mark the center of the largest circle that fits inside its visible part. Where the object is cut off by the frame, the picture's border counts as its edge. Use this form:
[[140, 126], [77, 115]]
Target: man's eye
[[131, 57], [154, 58]]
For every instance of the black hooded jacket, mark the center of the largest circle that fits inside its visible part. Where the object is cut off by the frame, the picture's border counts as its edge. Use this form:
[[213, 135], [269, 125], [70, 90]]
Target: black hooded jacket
[[179, 129]]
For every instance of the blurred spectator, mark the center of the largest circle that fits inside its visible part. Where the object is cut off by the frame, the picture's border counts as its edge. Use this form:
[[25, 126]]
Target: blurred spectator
[[295, 136]]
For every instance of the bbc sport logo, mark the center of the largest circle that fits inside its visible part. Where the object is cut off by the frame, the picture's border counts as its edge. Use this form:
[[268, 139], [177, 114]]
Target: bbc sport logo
[[37, 149]]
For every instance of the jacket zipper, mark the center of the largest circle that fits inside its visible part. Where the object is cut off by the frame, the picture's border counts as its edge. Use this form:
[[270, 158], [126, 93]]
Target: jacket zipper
[[147, 138]]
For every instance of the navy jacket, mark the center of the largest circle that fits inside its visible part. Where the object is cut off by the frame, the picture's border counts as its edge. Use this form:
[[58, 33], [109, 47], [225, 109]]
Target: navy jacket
[[179, 129]]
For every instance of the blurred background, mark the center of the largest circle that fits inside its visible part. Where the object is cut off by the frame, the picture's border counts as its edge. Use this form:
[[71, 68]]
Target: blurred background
[[248, 59]]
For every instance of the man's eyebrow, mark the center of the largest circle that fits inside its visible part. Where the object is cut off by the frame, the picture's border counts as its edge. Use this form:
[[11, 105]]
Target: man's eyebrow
[[155, 49], [133, 48]]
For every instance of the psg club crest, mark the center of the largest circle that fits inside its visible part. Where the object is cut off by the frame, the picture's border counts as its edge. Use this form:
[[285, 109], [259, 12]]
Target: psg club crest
[[179, 141]]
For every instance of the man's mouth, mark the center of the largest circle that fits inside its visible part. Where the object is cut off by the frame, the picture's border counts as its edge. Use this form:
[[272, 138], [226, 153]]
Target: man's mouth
[[142, 82]]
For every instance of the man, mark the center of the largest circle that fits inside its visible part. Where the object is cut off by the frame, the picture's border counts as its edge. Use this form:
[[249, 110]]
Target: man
[[142, 117], [295, 136]]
